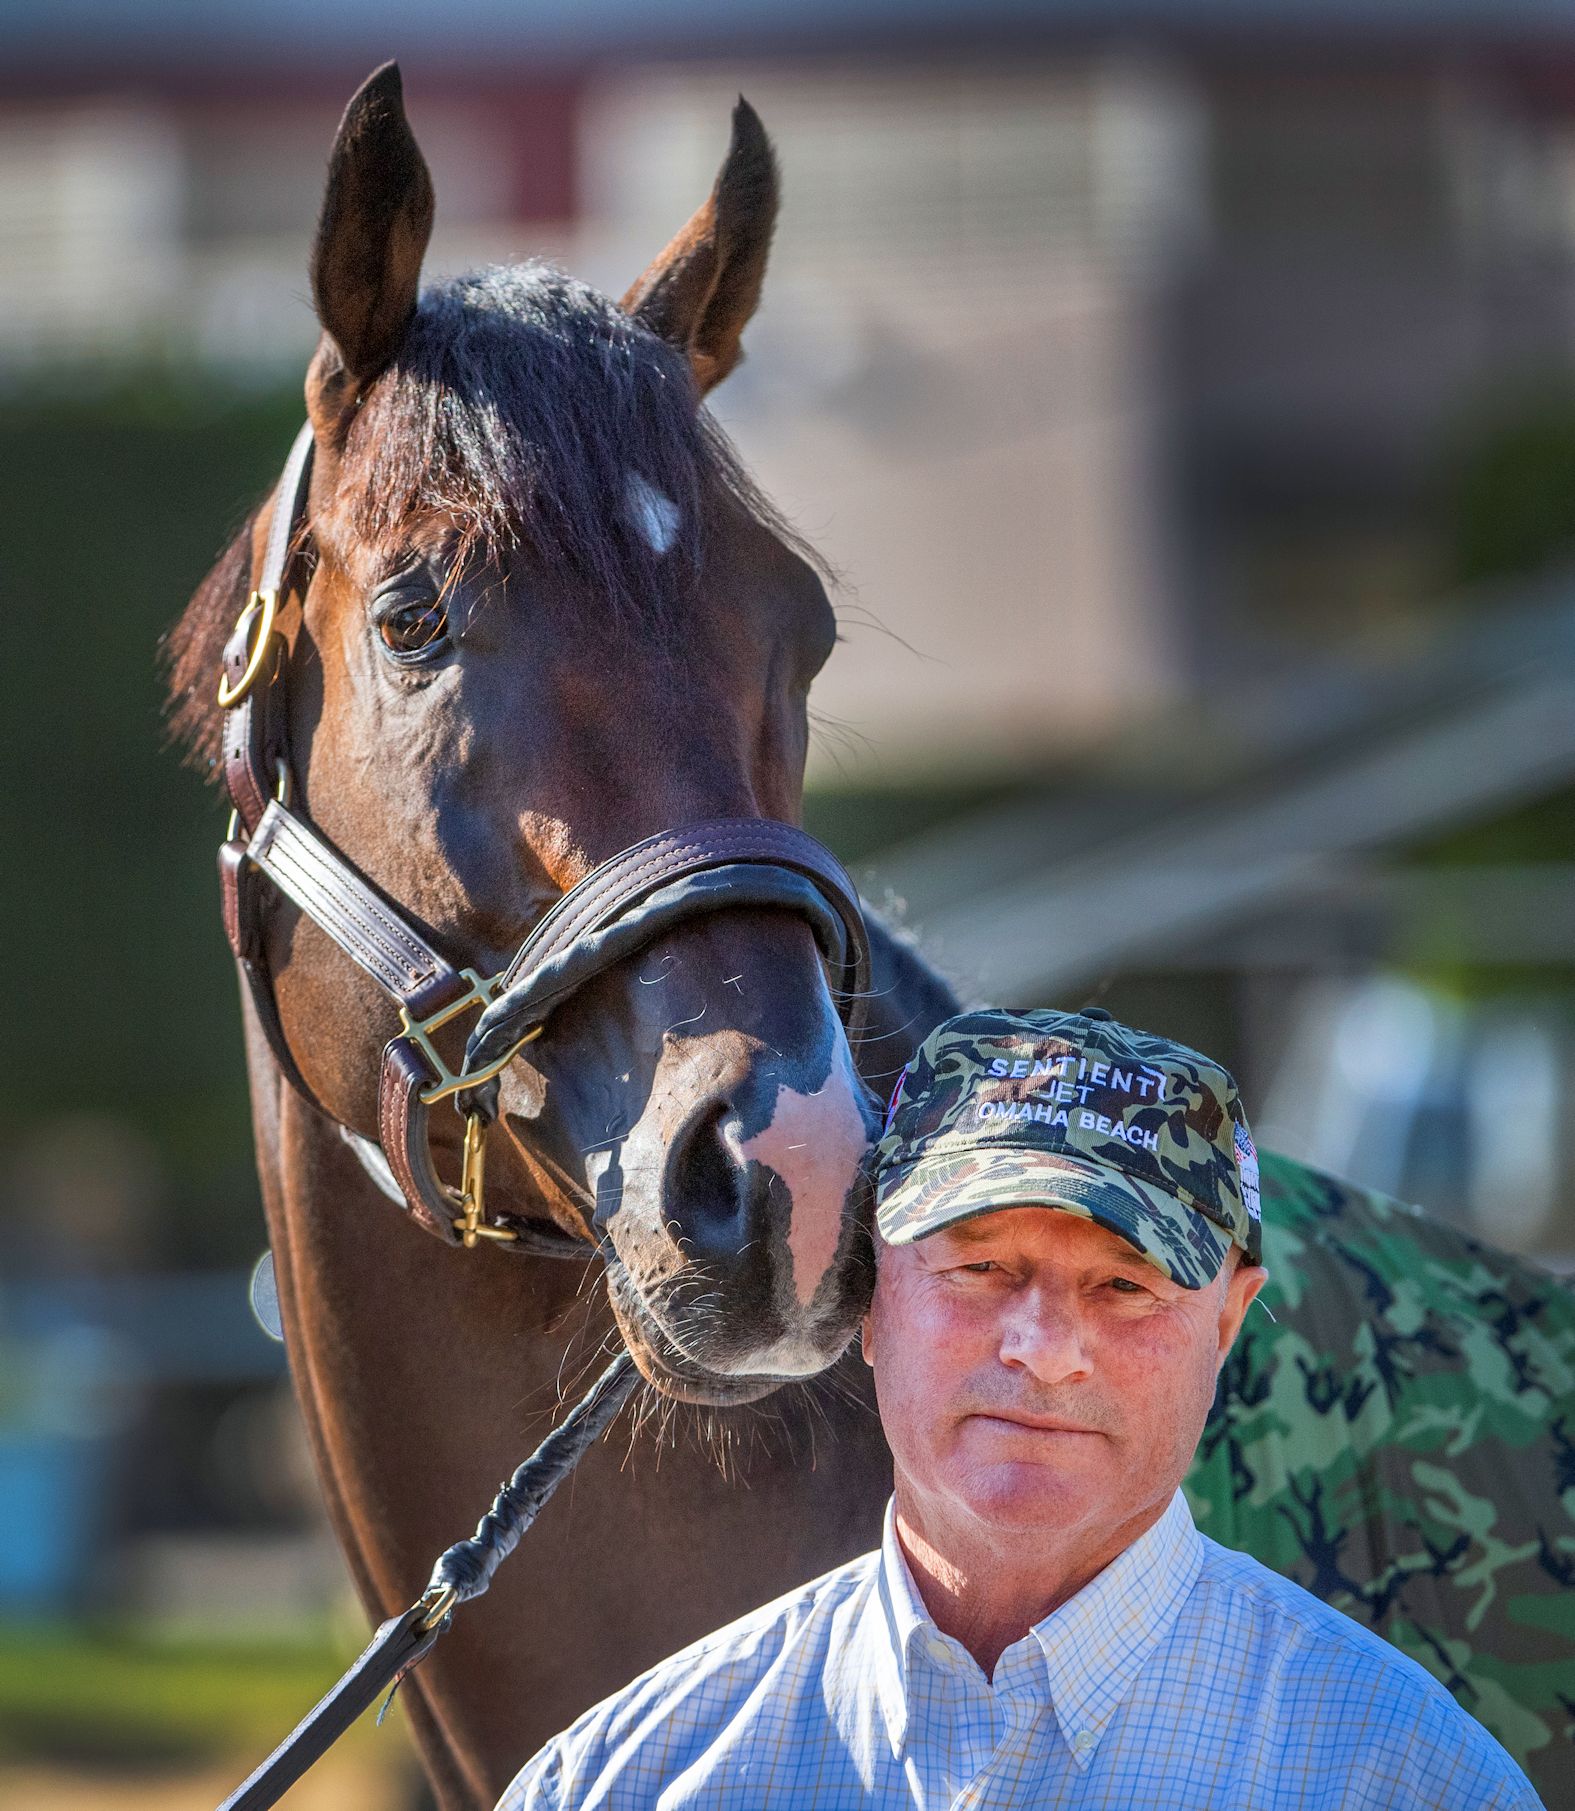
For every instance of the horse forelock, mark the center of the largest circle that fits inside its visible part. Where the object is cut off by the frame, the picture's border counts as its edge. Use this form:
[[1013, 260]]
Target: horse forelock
[[521, 407]]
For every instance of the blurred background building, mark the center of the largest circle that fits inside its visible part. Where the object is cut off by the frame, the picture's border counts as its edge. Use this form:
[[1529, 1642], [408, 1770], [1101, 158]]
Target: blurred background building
[[1185, 396]]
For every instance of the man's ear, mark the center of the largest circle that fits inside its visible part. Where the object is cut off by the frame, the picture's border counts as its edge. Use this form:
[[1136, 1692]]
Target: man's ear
[[701, 291], [1245, 1282], [371, 237]]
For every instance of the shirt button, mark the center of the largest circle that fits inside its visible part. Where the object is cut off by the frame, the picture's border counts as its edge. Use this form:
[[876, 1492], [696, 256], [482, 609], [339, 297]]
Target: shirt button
[[1085, 1741]]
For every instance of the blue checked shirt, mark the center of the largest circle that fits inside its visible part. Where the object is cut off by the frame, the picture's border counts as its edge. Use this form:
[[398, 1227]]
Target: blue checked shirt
[[1184, 1677]]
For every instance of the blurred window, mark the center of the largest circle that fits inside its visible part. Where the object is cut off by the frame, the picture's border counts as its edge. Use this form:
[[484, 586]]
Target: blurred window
[[966, 177], [252, 174], [1299, 161], [259, 173], [89, 222]]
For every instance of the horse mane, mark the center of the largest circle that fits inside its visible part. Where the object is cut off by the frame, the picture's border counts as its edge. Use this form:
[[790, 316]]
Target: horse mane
[[193, 648], [519, 405]]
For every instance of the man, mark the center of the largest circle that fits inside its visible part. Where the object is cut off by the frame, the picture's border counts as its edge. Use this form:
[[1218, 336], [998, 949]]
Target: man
[[1069, 1239]]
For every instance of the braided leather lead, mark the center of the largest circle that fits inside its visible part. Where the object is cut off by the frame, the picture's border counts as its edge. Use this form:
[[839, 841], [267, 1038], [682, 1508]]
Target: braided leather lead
[[465, 1570], [468, 1566]]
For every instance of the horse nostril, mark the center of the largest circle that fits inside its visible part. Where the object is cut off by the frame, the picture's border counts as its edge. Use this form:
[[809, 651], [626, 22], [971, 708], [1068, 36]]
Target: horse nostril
[[708, 1190], [718, 1209]]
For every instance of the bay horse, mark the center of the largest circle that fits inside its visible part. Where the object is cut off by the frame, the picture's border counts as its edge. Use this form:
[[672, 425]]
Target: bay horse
[[545, 613]]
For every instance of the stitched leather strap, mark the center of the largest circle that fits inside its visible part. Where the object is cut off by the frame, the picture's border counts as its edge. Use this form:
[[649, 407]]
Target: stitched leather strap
[[403, 1133], [369, 930], [254, 729], [238, 886], [650, 889], [638, 871], [377, 936], [380, 939], [637, 896]]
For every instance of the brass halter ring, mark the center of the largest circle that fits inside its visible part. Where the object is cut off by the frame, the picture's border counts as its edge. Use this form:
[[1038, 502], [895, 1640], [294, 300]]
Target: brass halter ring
[[266, 604]]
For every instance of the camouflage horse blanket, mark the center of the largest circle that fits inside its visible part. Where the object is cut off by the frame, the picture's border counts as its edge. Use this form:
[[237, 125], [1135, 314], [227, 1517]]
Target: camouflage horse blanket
[[1400, 1439]]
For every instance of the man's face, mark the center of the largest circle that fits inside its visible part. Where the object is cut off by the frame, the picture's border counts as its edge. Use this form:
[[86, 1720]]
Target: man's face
[[1035, 1373]]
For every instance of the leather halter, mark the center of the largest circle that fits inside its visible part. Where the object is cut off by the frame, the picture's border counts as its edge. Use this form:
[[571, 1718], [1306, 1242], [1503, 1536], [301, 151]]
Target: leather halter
[[618, 908]]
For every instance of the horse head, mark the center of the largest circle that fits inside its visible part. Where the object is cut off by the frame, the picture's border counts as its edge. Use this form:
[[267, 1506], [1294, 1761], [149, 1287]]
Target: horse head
[[546, 615]]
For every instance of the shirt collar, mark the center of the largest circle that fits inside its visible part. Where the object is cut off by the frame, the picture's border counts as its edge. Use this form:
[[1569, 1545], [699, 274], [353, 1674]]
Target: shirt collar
[[903, 1616], [1094, 1645], [1098, 1641]]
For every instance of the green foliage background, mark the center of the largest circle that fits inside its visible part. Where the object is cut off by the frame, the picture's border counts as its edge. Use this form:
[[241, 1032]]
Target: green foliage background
[[120, 996]]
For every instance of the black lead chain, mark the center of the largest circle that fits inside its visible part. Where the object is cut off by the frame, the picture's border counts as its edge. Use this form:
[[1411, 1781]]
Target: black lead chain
[[463, 1572]]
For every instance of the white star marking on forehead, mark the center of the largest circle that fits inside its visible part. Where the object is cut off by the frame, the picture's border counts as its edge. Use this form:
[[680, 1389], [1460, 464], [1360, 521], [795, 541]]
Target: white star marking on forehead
[[653, 512]]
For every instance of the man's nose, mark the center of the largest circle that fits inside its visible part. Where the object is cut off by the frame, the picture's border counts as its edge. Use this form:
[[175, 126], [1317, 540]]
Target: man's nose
[[1044, 1333]]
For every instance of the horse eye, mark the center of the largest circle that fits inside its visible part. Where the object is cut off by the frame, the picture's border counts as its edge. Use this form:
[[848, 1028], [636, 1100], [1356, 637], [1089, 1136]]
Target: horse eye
[[414, 628]]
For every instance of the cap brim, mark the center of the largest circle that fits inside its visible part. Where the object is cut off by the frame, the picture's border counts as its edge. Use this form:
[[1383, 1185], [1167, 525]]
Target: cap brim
[[940, 1191]]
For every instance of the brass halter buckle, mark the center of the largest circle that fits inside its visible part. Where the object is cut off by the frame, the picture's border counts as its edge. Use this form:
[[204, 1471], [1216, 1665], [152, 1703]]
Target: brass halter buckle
[[479, 992], [472, 1198], [265, 605]]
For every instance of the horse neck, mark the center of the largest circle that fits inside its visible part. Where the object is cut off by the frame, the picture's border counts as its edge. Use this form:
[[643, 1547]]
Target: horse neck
[[423, 1375], [908, 998]]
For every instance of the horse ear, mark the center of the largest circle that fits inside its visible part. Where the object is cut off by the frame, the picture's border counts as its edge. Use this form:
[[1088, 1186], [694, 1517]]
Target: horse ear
[[701, 291], [372, 232]]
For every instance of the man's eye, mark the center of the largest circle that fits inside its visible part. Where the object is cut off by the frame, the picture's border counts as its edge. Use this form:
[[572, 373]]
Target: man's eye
[[980, 1267], [1125, 1286]]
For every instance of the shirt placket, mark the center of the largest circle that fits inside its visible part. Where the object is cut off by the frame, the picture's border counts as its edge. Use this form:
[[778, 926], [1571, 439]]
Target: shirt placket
[[1005, 1781], [954, 1723]]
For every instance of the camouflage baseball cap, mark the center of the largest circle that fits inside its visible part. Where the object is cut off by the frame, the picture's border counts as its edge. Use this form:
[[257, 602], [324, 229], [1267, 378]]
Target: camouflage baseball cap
[[1073, 1111]]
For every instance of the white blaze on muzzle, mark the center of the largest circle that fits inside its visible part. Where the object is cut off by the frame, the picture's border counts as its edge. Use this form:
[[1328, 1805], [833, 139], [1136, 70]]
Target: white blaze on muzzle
[[815, 1143]]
